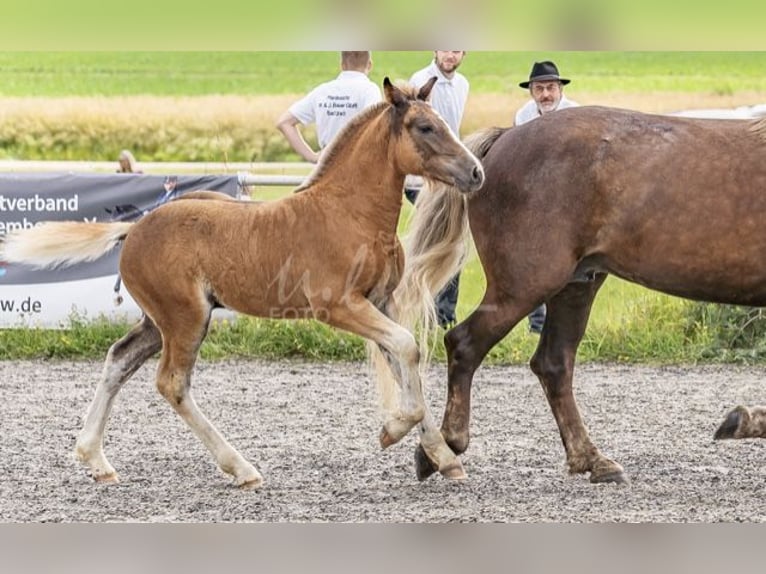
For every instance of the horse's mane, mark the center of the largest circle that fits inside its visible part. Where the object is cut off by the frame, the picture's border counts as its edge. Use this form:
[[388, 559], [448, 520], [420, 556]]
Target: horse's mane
[[758, 127], [332, 151], [479, 142]]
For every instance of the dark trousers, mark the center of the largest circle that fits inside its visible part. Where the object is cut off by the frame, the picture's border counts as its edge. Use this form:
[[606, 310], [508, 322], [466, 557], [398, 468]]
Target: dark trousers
[[446, 302], [446, 299], [537, 319]]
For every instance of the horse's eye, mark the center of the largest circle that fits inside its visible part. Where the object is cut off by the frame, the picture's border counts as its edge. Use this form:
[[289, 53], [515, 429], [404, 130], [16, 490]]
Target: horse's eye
[[425, 129]]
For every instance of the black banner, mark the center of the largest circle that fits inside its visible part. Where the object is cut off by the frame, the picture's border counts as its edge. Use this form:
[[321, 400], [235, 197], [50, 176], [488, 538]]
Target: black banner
[[27, 199], [49, 298]]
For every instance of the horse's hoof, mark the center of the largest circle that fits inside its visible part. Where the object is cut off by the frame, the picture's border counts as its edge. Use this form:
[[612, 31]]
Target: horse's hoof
[[386, 440], [729, 427], [423, 465], [615, 477], [252, 484], [111, 478], [454, 471]]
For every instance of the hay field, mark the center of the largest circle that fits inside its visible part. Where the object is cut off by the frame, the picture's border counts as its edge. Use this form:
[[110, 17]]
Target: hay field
[[240, 127]]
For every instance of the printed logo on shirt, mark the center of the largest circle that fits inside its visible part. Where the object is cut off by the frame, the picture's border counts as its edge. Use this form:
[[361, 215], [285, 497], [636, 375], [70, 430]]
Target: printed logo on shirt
[[338, 105]]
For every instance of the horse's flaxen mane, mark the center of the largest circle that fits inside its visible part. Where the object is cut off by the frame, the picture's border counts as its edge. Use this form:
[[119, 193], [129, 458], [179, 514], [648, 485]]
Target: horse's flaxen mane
[[759, 128], [480, 142], [344, 135]]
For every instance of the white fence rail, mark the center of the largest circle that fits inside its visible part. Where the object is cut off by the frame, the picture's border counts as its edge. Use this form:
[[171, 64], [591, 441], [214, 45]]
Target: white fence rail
[[258, 174]]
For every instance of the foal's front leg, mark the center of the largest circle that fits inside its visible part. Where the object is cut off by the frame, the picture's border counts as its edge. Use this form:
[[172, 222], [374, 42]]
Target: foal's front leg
[[433, 450], [359, 316]]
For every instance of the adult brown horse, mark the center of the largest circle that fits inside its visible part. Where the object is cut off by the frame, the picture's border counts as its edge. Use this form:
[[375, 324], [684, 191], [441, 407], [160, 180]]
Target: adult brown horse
[[329, 252], [675, 204]]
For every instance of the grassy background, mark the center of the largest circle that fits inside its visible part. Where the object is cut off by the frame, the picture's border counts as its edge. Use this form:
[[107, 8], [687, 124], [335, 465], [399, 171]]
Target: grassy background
[[220, 106], [57, 74]]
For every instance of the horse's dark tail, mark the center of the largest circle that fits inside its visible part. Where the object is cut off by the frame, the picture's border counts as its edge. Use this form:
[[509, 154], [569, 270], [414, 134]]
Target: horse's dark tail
[[436, 249]]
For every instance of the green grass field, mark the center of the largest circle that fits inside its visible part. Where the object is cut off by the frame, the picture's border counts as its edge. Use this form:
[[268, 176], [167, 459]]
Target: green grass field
[[56, 74]]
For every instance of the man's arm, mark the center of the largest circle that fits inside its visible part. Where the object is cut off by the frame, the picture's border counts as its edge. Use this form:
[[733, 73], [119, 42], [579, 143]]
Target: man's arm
[[288, 125]]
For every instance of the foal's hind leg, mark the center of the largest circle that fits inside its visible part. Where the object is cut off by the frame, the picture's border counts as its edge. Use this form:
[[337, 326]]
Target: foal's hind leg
[[553, 363], [183, 330], [123, 360]]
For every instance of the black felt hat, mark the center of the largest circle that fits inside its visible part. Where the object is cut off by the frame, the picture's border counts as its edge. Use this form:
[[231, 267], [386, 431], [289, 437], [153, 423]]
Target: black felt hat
[[543, 72]]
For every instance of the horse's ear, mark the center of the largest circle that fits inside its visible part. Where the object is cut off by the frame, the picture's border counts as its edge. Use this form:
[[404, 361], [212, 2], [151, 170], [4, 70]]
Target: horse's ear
[[425, 90], [393, 94]]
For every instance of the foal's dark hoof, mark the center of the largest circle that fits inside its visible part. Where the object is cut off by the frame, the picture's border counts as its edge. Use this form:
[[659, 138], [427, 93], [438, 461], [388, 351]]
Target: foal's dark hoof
[[616, 477], [729, 427], [423, 465]]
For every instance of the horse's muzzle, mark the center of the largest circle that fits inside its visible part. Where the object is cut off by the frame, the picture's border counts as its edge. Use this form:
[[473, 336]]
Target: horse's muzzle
[[476, 179]]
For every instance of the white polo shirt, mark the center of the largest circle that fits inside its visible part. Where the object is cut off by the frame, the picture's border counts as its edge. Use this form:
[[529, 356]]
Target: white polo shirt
[[448, 96], [529, 111], [332, 104]]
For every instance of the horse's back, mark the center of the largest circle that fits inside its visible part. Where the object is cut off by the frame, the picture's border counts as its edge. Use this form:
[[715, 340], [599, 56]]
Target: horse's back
[[257, 257], [677, 204]]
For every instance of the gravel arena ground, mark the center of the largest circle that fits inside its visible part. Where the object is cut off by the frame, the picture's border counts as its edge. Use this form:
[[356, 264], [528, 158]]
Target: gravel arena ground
[[311, 429]]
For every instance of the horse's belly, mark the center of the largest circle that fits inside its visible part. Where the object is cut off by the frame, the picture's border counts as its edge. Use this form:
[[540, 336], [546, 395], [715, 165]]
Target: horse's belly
[[263, 301], [713, 286]]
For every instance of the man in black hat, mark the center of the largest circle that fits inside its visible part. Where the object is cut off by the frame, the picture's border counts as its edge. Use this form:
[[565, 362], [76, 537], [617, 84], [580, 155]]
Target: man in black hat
[[547, 90]]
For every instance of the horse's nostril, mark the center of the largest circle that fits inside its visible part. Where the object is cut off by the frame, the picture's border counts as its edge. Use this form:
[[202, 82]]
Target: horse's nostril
[[478, 174]]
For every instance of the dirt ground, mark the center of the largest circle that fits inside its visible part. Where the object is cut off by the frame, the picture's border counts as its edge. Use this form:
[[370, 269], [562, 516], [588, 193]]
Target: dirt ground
[[311, 429]]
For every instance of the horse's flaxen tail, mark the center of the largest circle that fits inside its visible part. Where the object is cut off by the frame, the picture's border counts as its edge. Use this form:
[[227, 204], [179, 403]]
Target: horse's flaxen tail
[[436, 246], [62, 243], [436, 249]]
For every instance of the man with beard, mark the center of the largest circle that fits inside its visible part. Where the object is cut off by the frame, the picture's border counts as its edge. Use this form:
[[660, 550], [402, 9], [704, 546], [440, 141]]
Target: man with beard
[[547, 90], [448, 97]]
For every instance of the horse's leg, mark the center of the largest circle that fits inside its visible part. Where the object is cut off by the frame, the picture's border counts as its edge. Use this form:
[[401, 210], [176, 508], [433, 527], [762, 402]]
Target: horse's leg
[[553, 363], [358, 315], [743, 422], [467, 345], [432, 447], [183, 330], [122, 361]]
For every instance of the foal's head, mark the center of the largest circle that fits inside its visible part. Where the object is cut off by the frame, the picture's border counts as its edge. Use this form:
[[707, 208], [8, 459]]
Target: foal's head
[[425, 144]]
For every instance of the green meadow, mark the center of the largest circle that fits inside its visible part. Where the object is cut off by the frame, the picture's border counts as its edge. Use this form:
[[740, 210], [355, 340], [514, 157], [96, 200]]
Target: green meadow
[[58, 74], [216, 106]]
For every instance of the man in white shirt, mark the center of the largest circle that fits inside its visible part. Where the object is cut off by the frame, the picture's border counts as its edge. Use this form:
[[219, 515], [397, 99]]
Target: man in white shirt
[[331, 105], [450, 92], [448, 97], [547, 90]]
